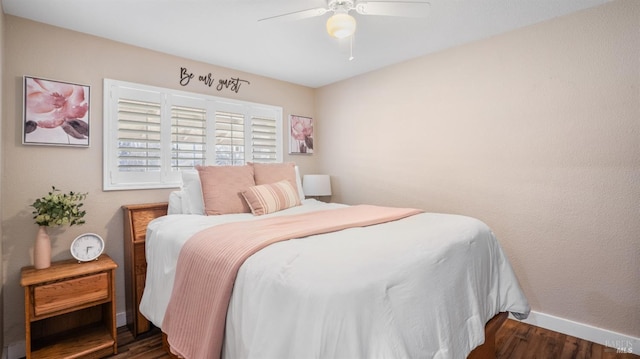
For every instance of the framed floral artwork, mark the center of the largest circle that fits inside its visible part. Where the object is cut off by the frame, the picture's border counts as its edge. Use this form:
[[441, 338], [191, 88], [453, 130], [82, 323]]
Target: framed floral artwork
[[300, 135], [55, 113]]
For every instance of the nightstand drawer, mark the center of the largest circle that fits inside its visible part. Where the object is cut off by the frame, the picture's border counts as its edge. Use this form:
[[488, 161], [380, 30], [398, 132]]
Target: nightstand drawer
[[57, 296]]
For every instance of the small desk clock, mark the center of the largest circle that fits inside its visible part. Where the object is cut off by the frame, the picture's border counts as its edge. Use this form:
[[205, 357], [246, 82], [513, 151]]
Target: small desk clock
[[87, 247]]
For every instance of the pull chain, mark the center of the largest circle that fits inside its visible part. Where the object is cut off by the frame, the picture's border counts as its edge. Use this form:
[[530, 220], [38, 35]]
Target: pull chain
[[351, 48]]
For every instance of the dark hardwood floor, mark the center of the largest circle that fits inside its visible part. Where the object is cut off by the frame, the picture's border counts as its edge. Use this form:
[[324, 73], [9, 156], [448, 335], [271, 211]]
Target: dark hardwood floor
[[145, 346], [515, 340], [519, 340]]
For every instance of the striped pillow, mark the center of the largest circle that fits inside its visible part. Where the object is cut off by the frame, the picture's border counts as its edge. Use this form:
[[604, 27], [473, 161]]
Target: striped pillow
[[269, 198]]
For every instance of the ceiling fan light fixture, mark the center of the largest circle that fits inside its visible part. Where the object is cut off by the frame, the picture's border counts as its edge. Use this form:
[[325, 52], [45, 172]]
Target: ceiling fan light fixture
[[341, 25]]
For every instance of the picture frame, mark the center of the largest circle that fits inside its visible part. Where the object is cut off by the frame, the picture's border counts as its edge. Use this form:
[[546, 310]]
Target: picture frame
[[55, 113], [300, 135]]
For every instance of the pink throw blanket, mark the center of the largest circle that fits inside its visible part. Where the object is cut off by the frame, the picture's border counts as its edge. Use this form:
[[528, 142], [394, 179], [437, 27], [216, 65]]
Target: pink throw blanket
[[209, 262]]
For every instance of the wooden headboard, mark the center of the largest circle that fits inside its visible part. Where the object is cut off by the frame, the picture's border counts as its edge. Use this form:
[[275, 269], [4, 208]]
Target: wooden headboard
[[136, 219]]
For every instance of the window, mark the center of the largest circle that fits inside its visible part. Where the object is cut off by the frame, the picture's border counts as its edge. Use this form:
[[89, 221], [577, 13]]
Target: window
[[151, 134]]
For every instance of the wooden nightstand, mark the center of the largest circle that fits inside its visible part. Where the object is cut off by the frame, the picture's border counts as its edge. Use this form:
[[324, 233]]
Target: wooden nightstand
[[70, 309], [136, 218]]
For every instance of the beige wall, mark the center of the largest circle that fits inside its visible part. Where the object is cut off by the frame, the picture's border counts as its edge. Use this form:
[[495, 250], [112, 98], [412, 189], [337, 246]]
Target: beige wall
[[536, 132], [39, 50]]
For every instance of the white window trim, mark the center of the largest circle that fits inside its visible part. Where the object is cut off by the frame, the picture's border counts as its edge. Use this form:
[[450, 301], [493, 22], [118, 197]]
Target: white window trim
[[166, 178]]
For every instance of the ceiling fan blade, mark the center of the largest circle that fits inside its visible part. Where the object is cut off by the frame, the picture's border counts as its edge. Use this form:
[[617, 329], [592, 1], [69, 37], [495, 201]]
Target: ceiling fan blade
[[393, 8], [298, 15]]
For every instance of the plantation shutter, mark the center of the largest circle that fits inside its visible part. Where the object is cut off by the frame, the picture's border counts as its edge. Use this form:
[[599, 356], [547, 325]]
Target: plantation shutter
[[138, 136], [188, 137], [264, 143], [229, 139], [133, 137]]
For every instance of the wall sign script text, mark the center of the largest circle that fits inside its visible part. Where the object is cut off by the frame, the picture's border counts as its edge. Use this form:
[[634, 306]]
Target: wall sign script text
[[233, 83]]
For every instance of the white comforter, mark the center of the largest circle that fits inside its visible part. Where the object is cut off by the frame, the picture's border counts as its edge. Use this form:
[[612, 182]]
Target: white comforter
[[420, 287]]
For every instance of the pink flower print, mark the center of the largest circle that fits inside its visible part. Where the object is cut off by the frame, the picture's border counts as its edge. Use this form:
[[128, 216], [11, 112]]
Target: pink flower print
[[54, 104], [302, 131]]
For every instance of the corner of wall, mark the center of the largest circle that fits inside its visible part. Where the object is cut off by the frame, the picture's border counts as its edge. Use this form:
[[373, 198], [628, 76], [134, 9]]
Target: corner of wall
[[1, 166]]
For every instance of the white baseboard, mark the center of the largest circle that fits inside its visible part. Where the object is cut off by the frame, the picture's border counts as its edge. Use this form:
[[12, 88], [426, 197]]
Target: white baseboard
[[121, 319], [621, 343], [18, 350]]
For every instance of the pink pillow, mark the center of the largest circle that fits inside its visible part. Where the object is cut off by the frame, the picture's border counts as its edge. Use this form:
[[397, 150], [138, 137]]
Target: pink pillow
[[222, 188], [266, 173], [269, 198]]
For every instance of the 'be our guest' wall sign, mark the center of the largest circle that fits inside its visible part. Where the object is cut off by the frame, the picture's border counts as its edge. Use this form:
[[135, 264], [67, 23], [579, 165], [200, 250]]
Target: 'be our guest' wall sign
[[233, 83]]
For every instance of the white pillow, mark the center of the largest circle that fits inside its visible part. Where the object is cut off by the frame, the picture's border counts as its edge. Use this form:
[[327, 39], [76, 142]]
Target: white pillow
[[175, 202], [192, 200]]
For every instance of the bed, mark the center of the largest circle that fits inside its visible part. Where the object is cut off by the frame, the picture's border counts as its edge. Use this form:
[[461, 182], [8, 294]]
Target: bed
[[425, 285]]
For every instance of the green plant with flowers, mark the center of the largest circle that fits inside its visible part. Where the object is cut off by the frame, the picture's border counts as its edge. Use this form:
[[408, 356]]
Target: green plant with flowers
[[58, 209]]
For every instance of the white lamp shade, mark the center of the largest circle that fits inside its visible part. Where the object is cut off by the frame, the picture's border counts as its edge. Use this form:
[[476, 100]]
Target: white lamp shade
[[341, 25], [316, 185]]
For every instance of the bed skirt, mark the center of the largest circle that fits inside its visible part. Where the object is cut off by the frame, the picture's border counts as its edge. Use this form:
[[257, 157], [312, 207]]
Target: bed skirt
[[487, 350]]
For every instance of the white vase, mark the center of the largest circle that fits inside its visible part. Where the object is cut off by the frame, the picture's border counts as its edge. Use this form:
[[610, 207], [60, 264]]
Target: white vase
[[42, 249]]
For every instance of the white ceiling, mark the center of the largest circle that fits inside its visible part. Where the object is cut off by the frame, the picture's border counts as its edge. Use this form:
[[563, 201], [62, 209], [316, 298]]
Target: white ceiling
[[227, 32]]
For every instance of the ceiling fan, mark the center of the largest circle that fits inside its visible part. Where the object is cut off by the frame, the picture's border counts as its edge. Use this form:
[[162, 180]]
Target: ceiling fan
[[341, 24]]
